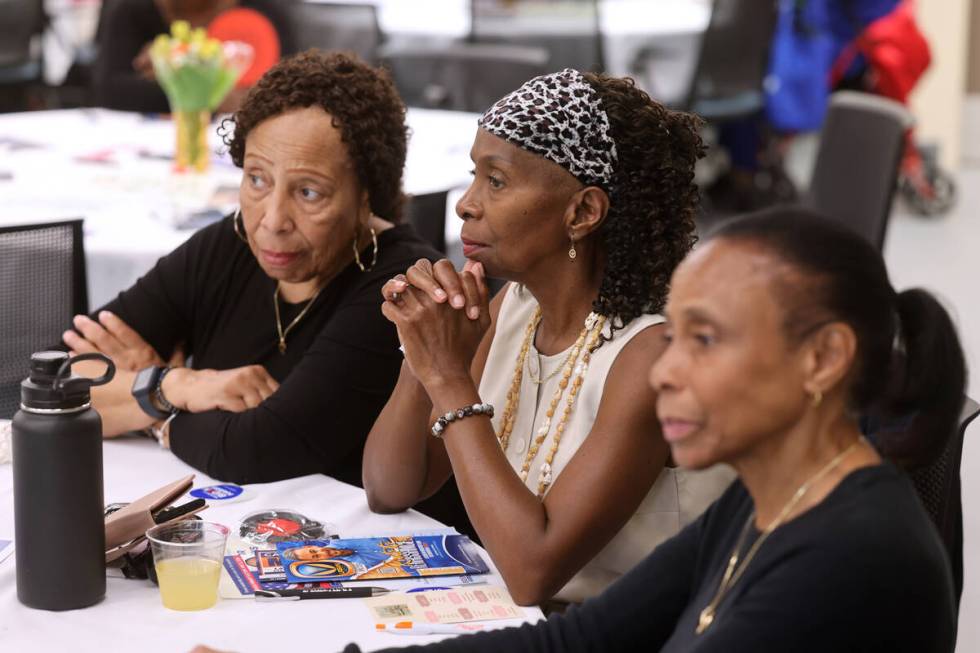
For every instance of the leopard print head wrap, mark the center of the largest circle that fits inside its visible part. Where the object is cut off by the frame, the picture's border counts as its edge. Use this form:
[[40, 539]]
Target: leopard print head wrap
[[560, 117]]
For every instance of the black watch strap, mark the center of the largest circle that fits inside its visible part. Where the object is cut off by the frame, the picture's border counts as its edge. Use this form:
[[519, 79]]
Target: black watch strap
[[145, 388]]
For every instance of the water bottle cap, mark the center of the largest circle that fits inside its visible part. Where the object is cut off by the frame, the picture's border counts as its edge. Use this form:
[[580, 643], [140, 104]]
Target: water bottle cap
[[52, 386], [45, 364]]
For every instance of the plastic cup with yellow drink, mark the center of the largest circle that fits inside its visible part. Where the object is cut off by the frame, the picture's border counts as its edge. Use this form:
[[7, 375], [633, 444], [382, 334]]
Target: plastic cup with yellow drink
[[187, 556]]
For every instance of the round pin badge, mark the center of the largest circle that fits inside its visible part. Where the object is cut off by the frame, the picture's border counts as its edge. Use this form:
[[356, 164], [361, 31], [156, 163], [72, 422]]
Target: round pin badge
[[222, 493]]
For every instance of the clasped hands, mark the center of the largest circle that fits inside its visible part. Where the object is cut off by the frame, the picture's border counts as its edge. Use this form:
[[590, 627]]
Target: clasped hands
[[194, 391], [441, 315]]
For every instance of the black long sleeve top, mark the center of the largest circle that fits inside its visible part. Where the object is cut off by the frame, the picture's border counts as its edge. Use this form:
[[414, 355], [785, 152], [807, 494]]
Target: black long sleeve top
[[126, 27], [340, 365], [339, 368], [862, 571]]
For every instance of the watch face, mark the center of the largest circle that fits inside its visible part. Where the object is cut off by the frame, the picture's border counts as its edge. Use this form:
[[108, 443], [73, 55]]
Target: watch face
[[143, 379]]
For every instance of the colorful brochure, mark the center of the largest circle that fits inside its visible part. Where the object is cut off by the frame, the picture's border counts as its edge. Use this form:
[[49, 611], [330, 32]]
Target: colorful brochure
[[269, 566], [380, 558]]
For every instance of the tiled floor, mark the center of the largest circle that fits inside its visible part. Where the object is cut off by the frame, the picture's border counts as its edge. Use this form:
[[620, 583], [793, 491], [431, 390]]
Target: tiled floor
[[943, 255]]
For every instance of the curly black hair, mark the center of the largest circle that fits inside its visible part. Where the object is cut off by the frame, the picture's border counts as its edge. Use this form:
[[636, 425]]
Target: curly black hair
[[363, 103], [652, 199]]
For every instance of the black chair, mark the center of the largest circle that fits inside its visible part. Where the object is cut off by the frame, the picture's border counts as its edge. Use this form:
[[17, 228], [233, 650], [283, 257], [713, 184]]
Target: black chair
[[427, 214], [732, 61], [336, 26], [938, 485], [856, 170], [42, 285], [461, 76], [567, 29]]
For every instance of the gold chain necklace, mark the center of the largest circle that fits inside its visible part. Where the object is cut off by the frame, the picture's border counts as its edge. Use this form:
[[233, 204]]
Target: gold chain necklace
[[536, 379], [593, 324], [731, 576], [285, 332]]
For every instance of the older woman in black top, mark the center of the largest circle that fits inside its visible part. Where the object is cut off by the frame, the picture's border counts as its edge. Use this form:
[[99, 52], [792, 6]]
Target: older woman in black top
[[277, 307], [782, 330]]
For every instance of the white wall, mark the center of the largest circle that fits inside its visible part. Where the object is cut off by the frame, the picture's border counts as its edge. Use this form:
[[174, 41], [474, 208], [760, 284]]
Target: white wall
[[973, 50], [938, 99]]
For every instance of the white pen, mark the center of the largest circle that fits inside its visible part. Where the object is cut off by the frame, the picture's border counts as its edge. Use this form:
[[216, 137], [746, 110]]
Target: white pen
[[414, 628]]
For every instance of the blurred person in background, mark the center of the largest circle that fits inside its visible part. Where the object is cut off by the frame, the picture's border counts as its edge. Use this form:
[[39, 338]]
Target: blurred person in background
[[123, 76], [810, 37]]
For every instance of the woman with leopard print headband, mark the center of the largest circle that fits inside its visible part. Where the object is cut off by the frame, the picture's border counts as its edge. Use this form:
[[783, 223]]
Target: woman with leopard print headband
[[582, 198]]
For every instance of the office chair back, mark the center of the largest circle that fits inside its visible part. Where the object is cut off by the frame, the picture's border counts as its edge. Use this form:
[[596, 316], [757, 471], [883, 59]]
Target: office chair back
[[42, 286], [462, 76], [337, 26], [938, 485], [427, 214], [567, 29], [856, 170], [733, 60]]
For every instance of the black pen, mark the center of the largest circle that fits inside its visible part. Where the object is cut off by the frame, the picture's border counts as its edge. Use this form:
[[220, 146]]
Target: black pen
[[320, 593]]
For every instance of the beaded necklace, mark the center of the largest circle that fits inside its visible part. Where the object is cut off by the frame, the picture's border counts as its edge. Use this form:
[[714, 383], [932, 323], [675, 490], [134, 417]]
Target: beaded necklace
[[587, 340]]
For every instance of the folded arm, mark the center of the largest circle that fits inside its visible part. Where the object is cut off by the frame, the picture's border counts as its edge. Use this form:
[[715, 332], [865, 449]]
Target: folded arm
[[316, 422]]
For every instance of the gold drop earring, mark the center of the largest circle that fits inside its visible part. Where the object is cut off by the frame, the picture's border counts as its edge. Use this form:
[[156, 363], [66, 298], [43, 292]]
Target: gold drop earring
[[571, 251], [817, 398], [374, 256]]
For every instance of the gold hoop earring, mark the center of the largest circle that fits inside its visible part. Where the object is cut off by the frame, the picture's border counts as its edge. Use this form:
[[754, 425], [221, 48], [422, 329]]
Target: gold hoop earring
[[239, 231], [571, 252], [374, 256], [816, 398]]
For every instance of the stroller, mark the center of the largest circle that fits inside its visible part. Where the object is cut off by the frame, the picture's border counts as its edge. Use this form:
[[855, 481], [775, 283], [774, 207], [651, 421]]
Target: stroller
[[895, 55]]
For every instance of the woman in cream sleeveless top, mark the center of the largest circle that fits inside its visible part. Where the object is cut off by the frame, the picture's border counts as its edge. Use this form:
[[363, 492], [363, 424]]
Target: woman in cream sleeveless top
[[678, 496], [582, 196]]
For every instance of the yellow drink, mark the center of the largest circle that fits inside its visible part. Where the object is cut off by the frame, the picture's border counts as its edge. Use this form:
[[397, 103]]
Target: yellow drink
[[188, 583]]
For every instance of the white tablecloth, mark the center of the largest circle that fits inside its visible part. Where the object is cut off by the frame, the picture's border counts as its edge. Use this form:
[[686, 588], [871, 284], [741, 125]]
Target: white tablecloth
[[131, 618], [114, 170]]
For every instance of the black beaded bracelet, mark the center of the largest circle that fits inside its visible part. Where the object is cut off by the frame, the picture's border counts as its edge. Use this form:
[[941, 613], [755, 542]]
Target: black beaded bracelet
[[460, 413], [162, 402]]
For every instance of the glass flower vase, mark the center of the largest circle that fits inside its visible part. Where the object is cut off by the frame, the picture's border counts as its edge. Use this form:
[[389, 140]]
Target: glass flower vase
[[192, 153]]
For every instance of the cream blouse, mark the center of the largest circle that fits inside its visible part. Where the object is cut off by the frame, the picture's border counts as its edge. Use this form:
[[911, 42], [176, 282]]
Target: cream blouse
[[676, 498]]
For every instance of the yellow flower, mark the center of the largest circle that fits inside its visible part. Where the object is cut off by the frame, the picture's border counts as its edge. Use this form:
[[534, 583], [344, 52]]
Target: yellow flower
[[198, 36], [211, 49], [161, 45], [181, 30]]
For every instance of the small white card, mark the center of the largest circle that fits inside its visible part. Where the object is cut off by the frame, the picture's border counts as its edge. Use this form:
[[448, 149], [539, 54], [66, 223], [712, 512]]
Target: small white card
[[6, 453], [445, 606], [6, 548]]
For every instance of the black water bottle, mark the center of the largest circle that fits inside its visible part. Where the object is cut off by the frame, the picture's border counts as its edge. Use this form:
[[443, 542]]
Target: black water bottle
[[59, 526]]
